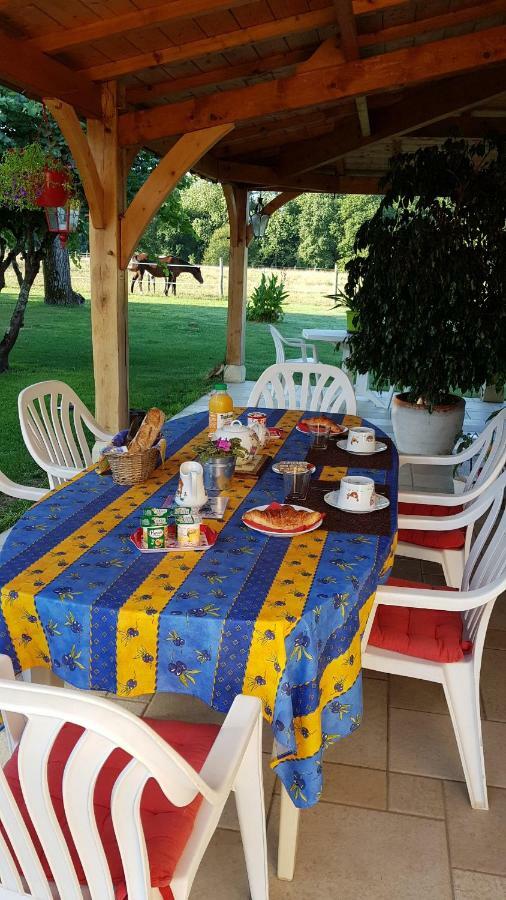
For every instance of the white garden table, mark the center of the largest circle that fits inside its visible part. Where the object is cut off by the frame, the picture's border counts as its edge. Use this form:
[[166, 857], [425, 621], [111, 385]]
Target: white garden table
[[341, 336]]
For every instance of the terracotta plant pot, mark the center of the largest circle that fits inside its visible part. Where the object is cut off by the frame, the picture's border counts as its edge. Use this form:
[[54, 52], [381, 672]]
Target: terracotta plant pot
[[417, 430], [55, 190]]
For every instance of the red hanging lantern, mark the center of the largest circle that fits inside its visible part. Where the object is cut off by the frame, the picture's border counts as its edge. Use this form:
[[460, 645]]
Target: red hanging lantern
[[62, 220], [62, 215]]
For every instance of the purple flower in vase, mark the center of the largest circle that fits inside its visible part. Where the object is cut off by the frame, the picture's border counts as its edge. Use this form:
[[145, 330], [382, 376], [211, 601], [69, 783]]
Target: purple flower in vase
[[223, 444]]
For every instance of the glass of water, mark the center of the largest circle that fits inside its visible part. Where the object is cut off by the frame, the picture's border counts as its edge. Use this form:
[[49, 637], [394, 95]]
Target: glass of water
[[320, 434], [296, 485]]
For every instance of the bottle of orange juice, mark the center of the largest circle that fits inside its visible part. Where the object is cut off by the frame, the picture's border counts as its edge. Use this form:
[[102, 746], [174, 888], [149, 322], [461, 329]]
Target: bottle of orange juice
[[221, 408]]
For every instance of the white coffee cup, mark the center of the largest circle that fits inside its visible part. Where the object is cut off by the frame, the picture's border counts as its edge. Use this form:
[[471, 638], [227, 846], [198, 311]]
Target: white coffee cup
[[356, 492], [361, 439]]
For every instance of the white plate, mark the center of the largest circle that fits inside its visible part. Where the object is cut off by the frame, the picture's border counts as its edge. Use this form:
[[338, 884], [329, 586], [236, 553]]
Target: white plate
[[331, 435], [332, 498], [379, 447], [283, 533], [275, 468]]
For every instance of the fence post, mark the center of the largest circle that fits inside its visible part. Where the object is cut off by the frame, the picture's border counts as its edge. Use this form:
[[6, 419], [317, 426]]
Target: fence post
[[336, 278], [221, 277]]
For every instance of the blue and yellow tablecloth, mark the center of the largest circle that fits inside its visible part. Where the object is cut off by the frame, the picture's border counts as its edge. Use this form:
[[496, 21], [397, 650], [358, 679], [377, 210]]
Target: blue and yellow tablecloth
[[277, 618]]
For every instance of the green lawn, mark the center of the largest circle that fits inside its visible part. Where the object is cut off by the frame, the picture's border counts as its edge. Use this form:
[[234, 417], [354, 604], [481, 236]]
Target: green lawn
[[173, 345]]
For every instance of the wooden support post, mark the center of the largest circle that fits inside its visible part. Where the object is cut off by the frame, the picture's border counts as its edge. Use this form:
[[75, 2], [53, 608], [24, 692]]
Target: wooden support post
[[109, 306], [237, 206]]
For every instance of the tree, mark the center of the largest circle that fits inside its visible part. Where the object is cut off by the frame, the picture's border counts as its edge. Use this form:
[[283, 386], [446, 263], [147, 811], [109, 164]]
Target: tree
[[170, 231], [58, 289], [27, 231], [204, 205]]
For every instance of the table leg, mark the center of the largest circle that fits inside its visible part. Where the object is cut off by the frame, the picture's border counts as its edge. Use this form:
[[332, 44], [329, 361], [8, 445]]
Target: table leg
[[288, 832]]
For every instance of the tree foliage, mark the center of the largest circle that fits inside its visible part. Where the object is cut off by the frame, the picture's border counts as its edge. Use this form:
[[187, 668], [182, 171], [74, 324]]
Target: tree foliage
[[429, 276]]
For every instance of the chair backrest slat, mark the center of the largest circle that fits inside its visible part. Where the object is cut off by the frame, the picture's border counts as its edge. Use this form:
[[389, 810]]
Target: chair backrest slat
[[278, 344], [125, 810], [79, 780], [322, 388], [33, 755], [489, 454]]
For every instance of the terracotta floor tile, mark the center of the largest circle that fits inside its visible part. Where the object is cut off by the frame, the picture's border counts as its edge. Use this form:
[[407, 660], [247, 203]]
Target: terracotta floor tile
[[493, 684], [477, 886], [495, 639], [412, 693], [367, 746], [415, 795], [476, 836], [422, 743], [498, 617], [353, 786]]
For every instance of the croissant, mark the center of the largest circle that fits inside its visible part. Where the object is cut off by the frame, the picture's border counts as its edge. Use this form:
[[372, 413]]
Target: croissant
[[148, 432], [283, 518], [324, 420]]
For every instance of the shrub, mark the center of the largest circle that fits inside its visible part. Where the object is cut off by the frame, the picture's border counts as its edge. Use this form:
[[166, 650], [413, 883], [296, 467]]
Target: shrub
[[266, 303]]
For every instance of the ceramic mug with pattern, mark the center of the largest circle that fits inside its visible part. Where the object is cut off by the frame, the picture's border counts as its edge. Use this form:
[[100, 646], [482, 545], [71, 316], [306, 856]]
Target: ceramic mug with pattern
[[356, 492], [361, 439]]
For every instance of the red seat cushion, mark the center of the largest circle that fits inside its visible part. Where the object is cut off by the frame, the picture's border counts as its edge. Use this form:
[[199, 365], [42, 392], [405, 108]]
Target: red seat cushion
[[425, 633], [441, 540], [167, 828]]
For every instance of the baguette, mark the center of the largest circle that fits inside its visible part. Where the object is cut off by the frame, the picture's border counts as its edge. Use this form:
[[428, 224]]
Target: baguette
[[147, 434]]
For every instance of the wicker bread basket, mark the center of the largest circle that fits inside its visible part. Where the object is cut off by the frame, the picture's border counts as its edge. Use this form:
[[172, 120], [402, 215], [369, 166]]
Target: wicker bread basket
[[133, 469]]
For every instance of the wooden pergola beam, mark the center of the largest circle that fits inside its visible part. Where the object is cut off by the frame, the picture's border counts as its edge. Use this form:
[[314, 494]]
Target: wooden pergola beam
[[222, 75], [240, 37], [422, 106], [77, 141], [25, 69], [432, 23], [353, 79], [113, 26], [162, 180], [347, 25]]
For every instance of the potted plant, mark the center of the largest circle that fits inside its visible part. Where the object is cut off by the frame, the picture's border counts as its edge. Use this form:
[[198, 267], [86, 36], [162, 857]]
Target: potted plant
[[218, 461], [31, 177], [428, 281]]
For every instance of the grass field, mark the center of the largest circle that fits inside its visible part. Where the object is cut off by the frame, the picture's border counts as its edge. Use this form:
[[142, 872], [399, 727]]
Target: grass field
[[173, 345]]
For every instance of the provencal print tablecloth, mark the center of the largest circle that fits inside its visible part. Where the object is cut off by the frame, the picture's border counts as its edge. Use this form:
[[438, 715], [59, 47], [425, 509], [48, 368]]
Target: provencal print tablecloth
[[274, 617]]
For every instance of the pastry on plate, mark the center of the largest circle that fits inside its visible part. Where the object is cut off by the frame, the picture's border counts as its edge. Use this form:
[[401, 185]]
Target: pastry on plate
[[323, 420], [283, 518]]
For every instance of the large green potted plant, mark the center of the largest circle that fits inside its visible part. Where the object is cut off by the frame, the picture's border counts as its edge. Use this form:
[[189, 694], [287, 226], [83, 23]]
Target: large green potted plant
[[428, 281]]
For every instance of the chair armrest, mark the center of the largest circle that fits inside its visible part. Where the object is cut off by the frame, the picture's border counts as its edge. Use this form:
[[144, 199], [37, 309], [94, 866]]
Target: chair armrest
[[435, 499], [22, 491], [65, 472], [437, 523], [224, 760], [416, 459], [458, 601]]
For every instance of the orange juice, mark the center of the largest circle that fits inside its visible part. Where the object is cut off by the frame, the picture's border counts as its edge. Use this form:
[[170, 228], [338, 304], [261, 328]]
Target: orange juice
[[221, 408]]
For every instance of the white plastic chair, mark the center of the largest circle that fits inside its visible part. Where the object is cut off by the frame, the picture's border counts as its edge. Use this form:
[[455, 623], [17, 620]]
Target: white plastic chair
[[483, 581], [323, 388], [52, 419], [19, 492], [300, 344], [35, 715], [487, 458]]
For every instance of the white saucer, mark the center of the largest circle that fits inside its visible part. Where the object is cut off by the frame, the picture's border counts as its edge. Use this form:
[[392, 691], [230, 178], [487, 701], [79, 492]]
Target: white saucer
[[310, 467], [332, 498], [379, 447]]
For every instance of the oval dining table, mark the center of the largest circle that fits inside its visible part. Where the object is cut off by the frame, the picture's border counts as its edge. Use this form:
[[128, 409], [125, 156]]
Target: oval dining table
[[279, 618]]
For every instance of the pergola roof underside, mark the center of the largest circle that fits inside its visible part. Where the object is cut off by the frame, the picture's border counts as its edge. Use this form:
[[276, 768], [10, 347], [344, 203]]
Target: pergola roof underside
[[173, 56]]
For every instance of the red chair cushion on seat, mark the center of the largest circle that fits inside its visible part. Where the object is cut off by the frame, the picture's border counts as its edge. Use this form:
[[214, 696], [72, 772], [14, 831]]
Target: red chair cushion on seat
[[425, 633], [441, 540], [167, 828]]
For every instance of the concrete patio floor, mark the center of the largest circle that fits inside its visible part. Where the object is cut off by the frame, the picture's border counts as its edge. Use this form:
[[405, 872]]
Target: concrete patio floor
[[394, 822]]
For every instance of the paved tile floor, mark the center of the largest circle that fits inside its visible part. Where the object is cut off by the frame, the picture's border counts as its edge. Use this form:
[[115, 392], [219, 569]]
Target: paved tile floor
[[394, 822]]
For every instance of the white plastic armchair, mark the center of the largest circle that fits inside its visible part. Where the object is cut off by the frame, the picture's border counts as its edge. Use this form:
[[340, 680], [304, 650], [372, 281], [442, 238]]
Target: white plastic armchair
[[280, 342], [35, 714], [52, 419], [484, 579], [451, 560], [323, 388], [18, 492], [487, 458]]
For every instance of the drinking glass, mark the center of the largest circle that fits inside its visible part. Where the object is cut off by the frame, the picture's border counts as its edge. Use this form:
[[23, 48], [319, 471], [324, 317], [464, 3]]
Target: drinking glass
[[320, 434], [296, 485]]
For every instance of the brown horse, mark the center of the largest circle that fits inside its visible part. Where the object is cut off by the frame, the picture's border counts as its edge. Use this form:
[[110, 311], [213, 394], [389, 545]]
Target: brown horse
[[167, 267]]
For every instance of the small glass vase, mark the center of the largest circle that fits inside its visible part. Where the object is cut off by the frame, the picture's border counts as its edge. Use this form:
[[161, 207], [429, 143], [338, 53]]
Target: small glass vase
[[218, 473]]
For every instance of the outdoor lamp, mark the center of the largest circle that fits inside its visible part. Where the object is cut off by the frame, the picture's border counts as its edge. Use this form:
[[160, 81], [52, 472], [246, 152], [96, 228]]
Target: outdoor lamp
[[62, 220], [259, 220]]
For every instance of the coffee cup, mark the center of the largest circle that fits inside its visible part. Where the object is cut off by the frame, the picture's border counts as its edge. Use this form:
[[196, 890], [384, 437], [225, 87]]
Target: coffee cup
[[356, 492], [361, 439]]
